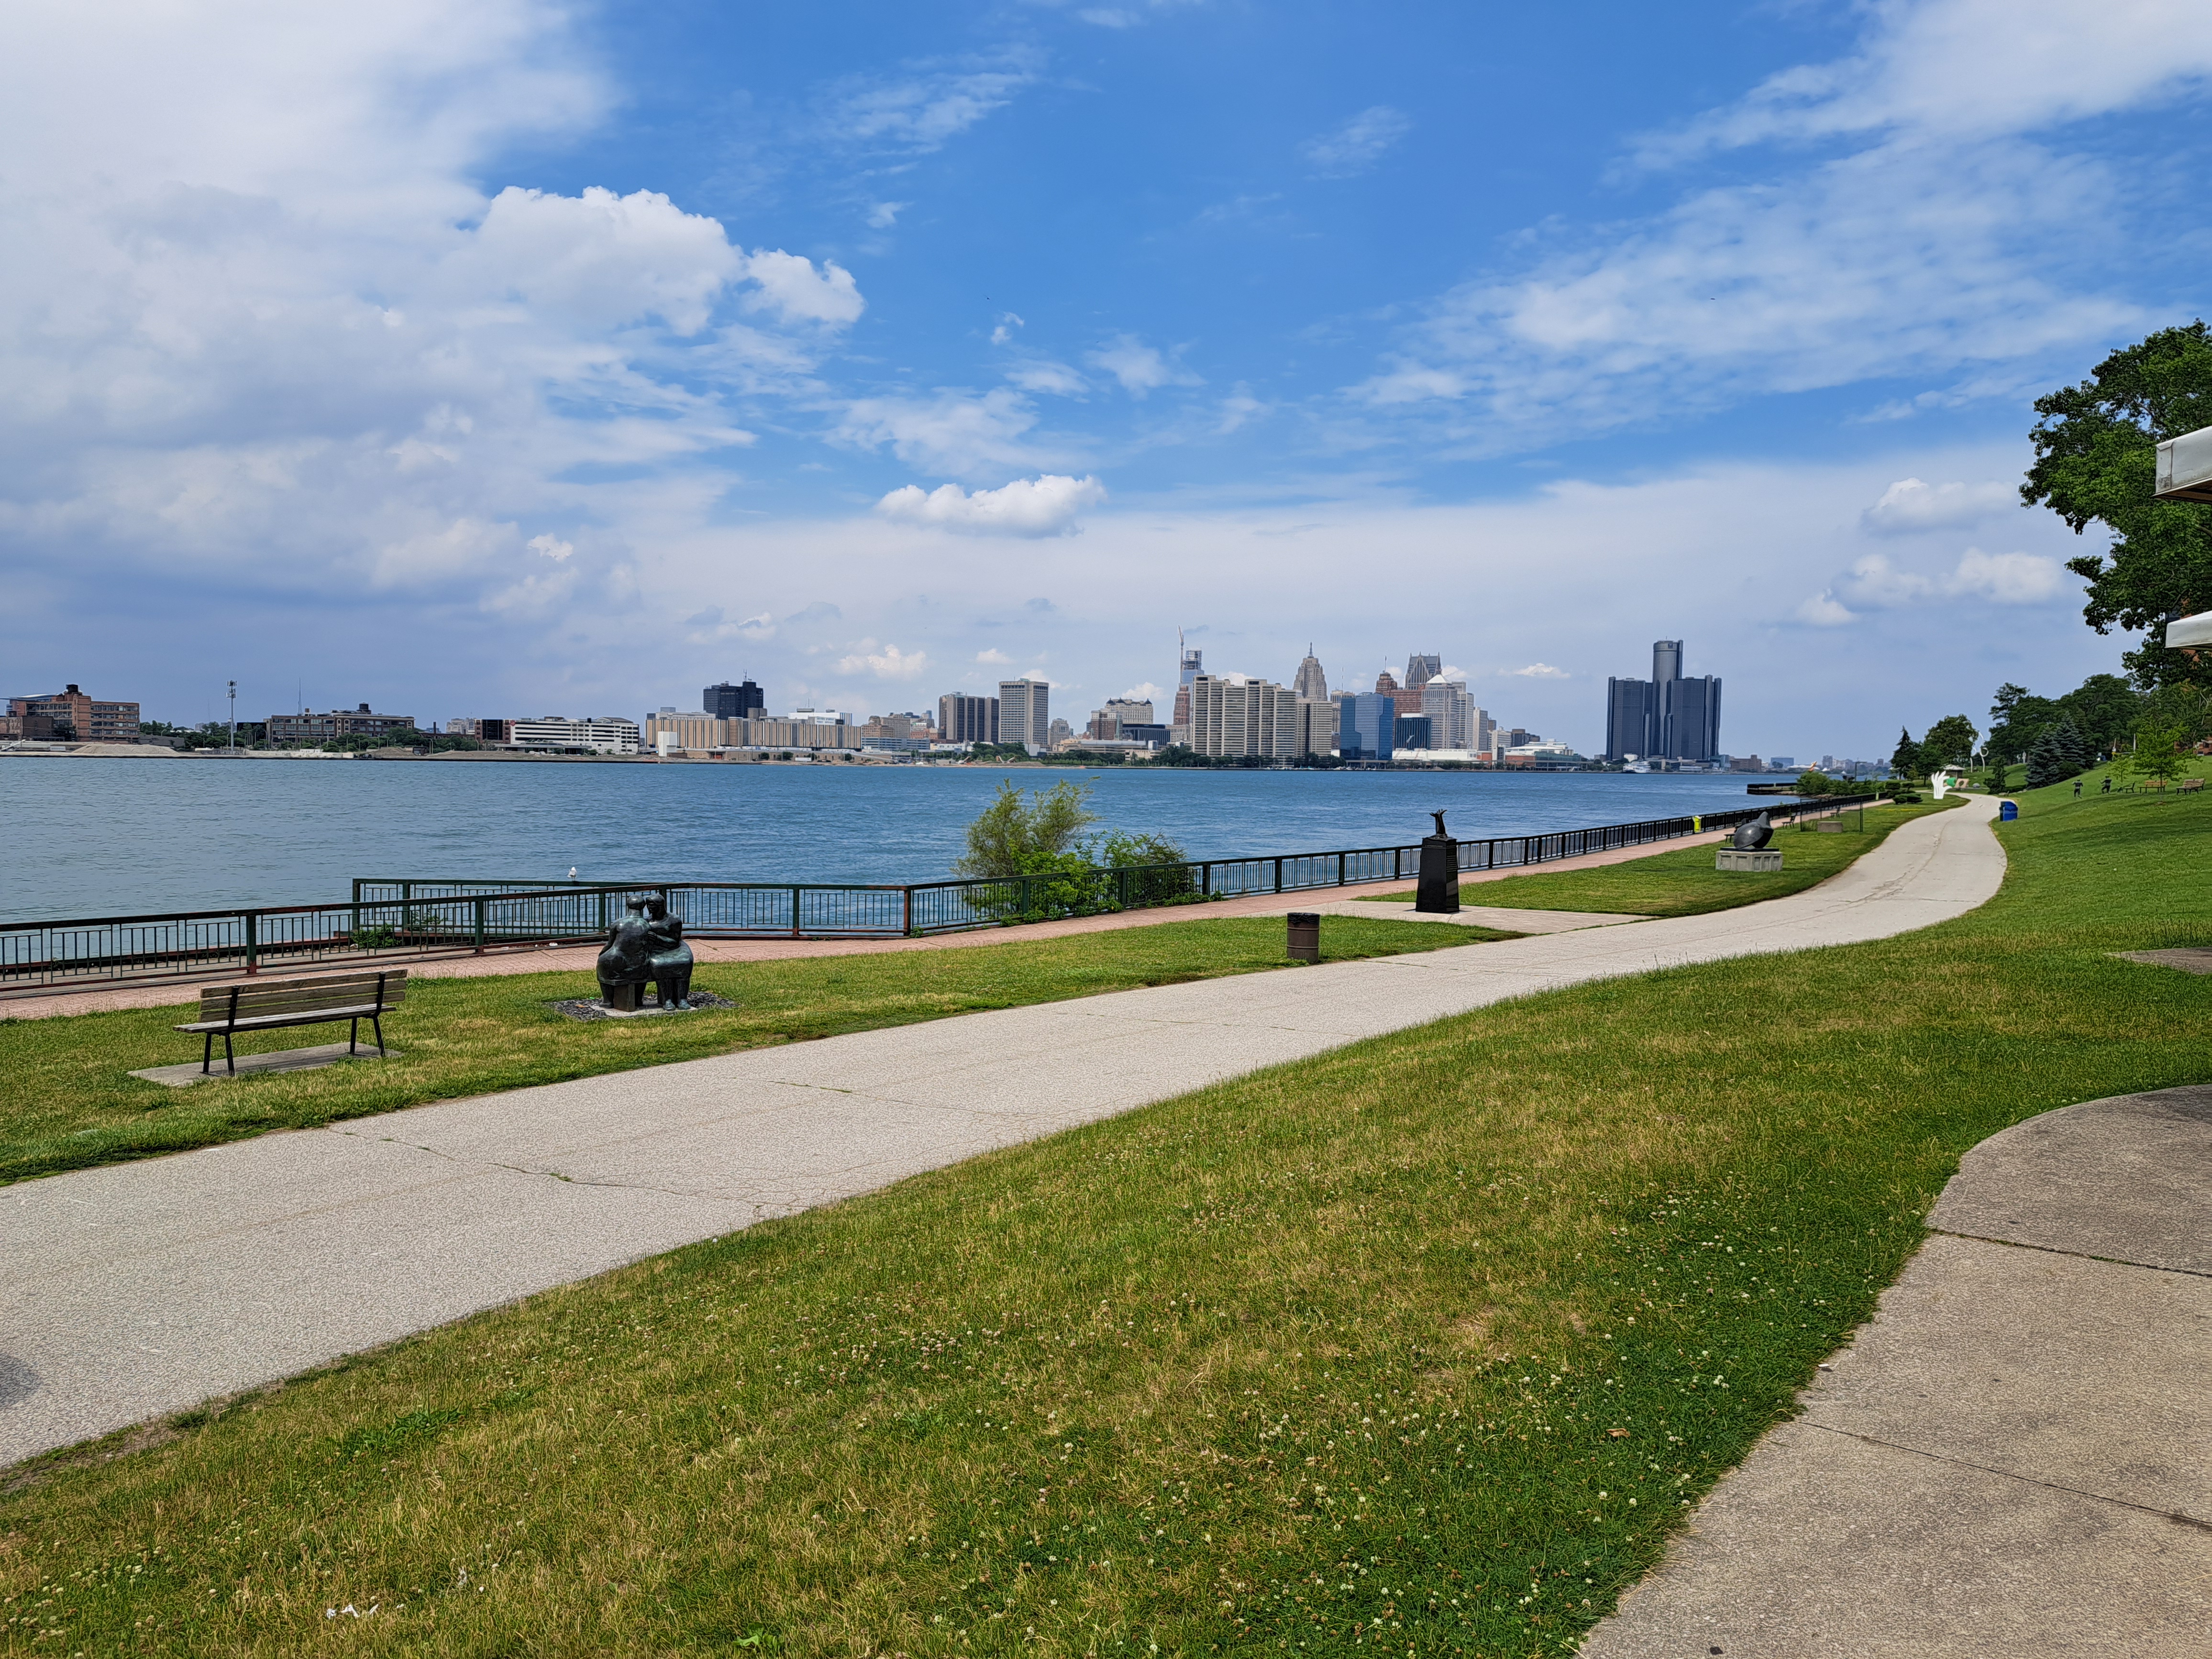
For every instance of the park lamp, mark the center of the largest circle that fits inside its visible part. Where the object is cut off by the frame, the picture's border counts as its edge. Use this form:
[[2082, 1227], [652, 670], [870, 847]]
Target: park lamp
[[2185, 474]]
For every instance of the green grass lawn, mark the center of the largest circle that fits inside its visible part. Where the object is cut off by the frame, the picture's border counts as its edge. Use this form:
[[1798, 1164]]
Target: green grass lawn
[[1428, 1341], [67, 1099], [1683, 882]]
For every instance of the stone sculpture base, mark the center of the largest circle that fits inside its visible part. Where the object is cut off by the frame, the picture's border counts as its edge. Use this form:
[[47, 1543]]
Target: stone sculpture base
[[624, 999], [1765, 861]]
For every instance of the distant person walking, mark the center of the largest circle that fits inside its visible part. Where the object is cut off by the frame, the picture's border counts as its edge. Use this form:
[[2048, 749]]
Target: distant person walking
[[2077, 789]]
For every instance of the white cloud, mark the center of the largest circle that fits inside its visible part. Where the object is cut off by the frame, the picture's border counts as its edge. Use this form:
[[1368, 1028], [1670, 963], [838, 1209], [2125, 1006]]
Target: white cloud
[[1143, 691], [1970, 68], [883, 214], [1042, 374], [598, 260], [1004, 330], [1140, 369], [1929, 236], [1044, 506], [1823, 611], [1357, 145], [1909, 505], [1874, 581], [957, 431], [551, 547], [992, 654], [927, 104], [888, 664], [790, 286], [1537, 671], [1238, 409]]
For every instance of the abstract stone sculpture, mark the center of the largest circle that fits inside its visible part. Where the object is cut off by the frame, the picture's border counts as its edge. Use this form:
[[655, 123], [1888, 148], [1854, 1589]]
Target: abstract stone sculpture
[[1750, 837], [626, 962], [671, 956]]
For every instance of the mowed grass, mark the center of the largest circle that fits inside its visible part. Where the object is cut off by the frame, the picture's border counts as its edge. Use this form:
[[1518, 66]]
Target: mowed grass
[[1426, 1344], [67, 1099], [1683, 882]]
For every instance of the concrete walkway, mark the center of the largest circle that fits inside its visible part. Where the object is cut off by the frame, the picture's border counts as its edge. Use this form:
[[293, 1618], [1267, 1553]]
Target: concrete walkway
[[2012, 1460], [131, 1290]]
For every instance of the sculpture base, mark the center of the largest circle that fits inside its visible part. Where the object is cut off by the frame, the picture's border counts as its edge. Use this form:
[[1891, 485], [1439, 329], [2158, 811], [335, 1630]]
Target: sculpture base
[[622, 998], [1436, 892], [1765, 862]]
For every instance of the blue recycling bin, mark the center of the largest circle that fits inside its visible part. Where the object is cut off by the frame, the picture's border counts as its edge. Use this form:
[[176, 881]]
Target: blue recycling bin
[[2008, 811]]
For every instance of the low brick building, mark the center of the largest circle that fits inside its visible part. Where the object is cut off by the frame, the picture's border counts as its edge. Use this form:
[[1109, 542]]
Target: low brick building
[[77, 717]]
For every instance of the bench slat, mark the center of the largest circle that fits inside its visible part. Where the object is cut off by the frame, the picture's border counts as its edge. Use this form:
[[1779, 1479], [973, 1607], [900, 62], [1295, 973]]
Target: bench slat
[[271, 1022], [346, 994]]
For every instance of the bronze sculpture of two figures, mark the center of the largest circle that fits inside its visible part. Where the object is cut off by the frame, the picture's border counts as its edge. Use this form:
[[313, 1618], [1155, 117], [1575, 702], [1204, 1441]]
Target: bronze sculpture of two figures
[[646, 944]]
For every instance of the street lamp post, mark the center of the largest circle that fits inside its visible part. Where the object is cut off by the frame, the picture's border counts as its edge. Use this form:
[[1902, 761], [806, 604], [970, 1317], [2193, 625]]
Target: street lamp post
[[234, 717]]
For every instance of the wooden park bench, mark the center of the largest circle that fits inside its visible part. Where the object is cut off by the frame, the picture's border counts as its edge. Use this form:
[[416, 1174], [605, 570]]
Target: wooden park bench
[[269, 1005], [2190, 786]]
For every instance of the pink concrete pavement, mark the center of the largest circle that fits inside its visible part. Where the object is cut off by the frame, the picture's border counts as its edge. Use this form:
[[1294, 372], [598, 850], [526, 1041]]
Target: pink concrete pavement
[[40, 1003]]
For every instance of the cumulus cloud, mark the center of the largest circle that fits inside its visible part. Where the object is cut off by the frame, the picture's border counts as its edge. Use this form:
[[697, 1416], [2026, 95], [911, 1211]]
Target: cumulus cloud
[[1909, 505], [553, 548], [1044, 506], [883, 214], [1004, 330], [1354, 145], [1143, 691], [888, 664], [1537, 671], [1140, 369], [796, 292], [1875, 581], [991, 653]]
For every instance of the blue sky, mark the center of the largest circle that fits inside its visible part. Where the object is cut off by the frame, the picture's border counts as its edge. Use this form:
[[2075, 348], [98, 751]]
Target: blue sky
[[563, 358]]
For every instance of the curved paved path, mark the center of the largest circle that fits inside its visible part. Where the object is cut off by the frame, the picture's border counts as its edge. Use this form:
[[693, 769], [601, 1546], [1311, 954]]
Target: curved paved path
[[2011, 1460], [144, 1288]]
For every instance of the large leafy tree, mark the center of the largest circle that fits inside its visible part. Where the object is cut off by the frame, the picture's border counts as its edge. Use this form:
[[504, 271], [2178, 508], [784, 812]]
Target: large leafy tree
[[2096, 463], [1950, 739]]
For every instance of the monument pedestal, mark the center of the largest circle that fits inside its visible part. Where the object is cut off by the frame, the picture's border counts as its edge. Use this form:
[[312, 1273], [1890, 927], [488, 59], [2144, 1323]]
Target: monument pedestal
[[1438, 892], [1762, 862], [625, 999]]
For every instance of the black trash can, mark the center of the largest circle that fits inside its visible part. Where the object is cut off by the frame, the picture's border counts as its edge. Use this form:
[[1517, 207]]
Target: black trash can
[[1305, 936]]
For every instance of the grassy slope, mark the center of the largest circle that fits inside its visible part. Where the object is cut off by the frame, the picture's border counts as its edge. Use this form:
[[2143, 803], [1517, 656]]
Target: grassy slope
[[67, 1098], [1432, 1338], [1684, 883]]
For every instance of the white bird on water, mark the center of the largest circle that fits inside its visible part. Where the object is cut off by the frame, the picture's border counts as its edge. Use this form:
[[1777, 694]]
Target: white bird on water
[[572, 873]]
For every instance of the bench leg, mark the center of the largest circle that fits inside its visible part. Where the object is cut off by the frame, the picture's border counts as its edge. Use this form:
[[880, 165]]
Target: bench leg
[[376, 1023], [207, 1055], [353, 1039], [229, 1059]]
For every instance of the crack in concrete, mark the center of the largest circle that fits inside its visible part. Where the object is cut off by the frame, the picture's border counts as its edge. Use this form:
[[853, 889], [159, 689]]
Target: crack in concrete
[[2083, 1256]]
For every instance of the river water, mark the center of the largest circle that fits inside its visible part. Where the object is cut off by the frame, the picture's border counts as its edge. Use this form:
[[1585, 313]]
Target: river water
[[113, 837]]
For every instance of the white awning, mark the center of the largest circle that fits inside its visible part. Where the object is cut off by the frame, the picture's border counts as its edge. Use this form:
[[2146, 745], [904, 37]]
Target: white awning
[[2184, 467], [2190, 630]]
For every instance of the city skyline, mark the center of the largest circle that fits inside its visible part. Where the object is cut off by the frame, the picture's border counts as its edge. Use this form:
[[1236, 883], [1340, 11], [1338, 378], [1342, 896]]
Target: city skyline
[[921, 346]]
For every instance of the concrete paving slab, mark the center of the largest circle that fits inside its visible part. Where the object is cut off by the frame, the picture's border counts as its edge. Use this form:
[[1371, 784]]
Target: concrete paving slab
[[1473, 915], [2010, 1458], [2190, 958], [2059, 1369], [253, 1260], [283, 1060], [1828, 1547], [2123, 1178]]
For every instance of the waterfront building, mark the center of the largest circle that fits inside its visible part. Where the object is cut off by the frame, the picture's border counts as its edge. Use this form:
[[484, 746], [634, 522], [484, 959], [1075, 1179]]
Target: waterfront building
[[1366, 724], [484, 728], [1232, 714], [1386, 684], [725, 701], [1316, 720], [1145, 735], [967, 719], [1670, 716], [1309, 683], [1454, 722], [1190, 665], [1421, 669], [77, 717], [1058, 733], [1411, 731], [1025, 713], [608, 735], [314, 730]]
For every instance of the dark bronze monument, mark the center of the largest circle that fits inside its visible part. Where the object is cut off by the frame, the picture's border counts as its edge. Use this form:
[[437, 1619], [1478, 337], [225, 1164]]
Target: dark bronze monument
[[1438, 891], [1750, 837], [646, 945]]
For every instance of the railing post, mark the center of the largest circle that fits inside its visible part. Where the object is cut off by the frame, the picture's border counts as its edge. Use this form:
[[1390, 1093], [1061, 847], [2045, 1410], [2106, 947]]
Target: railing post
[[481, 905], [252, 942], [905, 911], [794, 912], [1340, 869], [1279, 875]]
